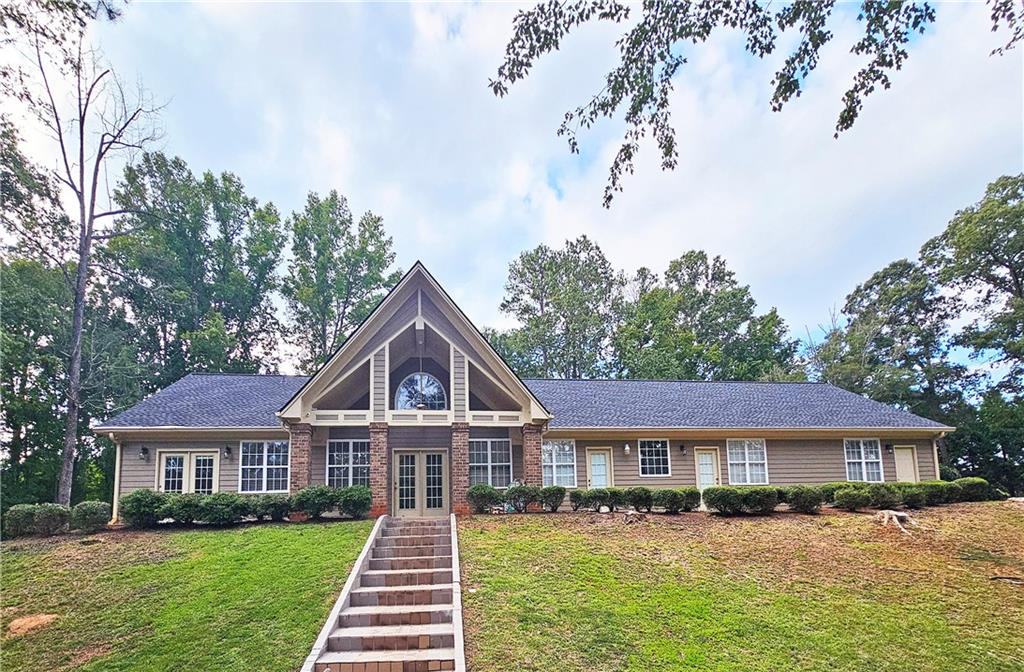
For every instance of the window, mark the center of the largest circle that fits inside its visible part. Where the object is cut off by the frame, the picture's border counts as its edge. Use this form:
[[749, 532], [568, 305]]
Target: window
[[174, 473], [490, 462], [420, 391], [748, 462], [348, 463], [558, 461], [863, 460], [264, 466], [654, 457], [202, 473]]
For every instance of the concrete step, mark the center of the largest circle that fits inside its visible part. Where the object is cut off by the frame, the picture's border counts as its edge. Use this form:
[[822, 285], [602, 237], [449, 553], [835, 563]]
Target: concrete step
[[392, 637], [397, 661], [432, 562], [414, 540], [399, 530], [405, 577], [421, 614], [382, 552], [439, 593]]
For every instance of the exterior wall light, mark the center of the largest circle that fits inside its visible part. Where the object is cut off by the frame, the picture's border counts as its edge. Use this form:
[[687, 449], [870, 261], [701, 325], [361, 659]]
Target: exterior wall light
[[143, 453], [227, 452], [682, 448], [888, 448], [626, 449]]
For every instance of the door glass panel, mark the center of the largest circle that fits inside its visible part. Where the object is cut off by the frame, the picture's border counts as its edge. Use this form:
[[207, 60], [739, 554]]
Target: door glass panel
[[707, 469], [599, 470], [435, 480], [407, 481], [174, 473], [203, 474]]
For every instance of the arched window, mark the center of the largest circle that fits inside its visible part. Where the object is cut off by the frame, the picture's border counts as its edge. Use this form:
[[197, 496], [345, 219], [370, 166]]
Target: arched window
[[420, 391]]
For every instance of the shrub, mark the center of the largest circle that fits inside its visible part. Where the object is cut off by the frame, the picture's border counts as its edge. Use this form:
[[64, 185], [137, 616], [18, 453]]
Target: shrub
[[640, 498], [691, 497], [615, 498], [482, 497], [759, 499], [51, 519], [940, 492], [18, 519], [274, 507], [883, 495], [973, 489], [782, 494], [804, 498], [678, 499], [828, 490], [724, 499], [314, 500], [221, 508], [912, 495], [579, 499], [141, 508], [183, 508], [521, 496], [355, 502], [852, 498], [552, 497], [598, 497], [948, 473], [999, 495], [90, 516]]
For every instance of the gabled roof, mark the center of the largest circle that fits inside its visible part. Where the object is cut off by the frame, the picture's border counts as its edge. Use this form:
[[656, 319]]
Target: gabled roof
[[698, 404]]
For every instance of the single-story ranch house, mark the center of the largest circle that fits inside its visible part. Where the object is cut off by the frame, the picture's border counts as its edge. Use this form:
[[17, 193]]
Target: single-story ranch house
[[418, 406]]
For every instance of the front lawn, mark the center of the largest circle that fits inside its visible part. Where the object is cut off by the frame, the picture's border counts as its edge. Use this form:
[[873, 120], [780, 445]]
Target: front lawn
[[698, 592], [247, 598]]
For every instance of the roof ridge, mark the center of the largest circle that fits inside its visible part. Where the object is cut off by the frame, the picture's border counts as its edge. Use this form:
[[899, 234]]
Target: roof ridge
[[244, 373], [677, 380]]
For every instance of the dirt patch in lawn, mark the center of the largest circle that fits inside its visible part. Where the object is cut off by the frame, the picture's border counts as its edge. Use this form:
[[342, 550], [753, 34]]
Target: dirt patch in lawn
[[118, 547], [20, 626]]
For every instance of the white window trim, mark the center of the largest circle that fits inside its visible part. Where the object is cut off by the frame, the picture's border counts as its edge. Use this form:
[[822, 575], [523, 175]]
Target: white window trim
[[188, 484], [288, 468], [640, 462], [864, 471], [554, 467], [444, 394], [746, 462], [327, 460], [490, 463]]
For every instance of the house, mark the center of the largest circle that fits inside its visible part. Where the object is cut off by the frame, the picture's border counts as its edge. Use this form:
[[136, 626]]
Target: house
[[418, 406]]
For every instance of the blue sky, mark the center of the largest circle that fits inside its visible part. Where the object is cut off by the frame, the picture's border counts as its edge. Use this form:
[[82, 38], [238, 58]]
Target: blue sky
[[388, 103]]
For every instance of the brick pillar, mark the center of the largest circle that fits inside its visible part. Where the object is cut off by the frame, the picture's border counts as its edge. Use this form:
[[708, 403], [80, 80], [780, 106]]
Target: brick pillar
[[379, 468], [532, 474], [459, 469], [300, 460]]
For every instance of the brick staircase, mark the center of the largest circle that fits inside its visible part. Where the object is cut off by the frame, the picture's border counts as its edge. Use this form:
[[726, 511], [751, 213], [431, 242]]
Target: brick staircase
[[400, 610]]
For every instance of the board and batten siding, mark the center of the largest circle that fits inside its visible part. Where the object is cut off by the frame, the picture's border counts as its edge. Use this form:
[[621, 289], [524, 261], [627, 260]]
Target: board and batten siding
[[460, 383], [380, 385]]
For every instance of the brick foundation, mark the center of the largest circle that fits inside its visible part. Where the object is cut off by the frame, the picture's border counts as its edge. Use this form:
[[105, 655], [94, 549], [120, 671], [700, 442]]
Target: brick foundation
[[460, 467], [532, 473], [300, 459], [379, 468]]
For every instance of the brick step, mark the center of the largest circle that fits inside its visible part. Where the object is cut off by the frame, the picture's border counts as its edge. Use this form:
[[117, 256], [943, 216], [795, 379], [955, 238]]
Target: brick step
[[396, 661], [414, 540], [390, 530], [437, 593], [405, 577], [420, 614], [430, 562], [388, 552], [393, 637]]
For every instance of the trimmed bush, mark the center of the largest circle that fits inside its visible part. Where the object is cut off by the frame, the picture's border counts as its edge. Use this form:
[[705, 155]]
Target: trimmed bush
[[724, 499], [691, 497], [314, 500], [90, 516], [221, 508], [852, 498], [760, 500], [552, 497], [912, 495], [482, 497], [804, 498], [598, 497], [782, 493], [941, 492], [640, 498], [828, 490], [521, 496], [51, 519], [948, 473], [678, 499], [973, 489], [355, 501], [579, 499], [18, 520], [615, 498], [274, 507], [183, 508], [141, 508], [884, 496]]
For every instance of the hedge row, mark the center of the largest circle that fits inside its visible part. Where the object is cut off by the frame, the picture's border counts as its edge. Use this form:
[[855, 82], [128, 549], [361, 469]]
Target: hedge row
[[48, 519], [146, 508], [483, 497]]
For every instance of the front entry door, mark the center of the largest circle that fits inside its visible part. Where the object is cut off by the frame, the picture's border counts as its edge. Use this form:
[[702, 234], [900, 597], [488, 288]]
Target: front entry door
[[906, 464], [599, 468], [707, 467], [421, 484]]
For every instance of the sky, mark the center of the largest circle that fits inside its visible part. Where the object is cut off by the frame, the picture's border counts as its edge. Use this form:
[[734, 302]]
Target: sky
[[389, 104]]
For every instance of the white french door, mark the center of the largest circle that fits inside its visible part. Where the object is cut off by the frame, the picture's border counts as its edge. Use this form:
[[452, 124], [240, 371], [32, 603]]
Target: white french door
[[421, 484]]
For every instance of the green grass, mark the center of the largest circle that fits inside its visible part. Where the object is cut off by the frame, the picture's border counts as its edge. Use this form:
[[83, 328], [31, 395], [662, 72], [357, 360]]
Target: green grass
[[697, 592], [247, 598]]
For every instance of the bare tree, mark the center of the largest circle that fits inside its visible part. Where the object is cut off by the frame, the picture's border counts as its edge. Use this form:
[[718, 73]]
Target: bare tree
[[97, 127]]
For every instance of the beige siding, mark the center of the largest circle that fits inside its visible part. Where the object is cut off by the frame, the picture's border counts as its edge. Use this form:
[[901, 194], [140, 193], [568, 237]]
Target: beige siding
[[459, 399], [137, 474], [419, 437], [380, 386], [926, 460], [436, 317], [402, 316]]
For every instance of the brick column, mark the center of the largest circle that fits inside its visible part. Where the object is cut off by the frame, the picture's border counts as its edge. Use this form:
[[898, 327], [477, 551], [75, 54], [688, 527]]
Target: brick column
[[532, 474], [379, 468], [300, 460], [459, 469]]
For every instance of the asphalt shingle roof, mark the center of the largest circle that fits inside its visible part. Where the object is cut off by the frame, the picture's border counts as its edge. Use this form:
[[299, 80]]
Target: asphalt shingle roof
[[239, 400]]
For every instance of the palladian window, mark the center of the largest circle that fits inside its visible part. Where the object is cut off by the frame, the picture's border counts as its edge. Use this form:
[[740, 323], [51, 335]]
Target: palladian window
[[420, 391]]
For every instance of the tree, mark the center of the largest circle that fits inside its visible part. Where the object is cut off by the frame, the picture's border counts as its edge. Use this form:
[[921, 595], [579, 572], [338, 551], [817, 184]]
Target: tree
[[338, 272], [652, 51], [567, 301], [980, 255]]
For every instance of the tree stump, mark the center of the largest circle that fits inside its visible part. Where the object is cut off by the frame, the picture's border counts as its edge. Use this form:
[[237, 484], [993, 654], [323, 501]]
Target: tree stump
[[896, 518], [630, 517]]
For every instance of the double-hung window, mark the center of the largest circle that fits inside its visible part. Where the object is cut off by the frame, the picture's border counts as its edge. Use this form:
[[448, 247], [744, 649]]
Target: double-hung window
[[654, 457], [490, 462], [264, 466], [748, 462], [558, 461], [863, 460], [348, 463]]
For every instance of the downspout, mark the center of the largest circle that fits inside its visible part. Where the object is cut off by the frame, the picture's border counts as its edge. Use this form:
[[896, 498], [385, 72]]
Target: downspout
[[117, 479]]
